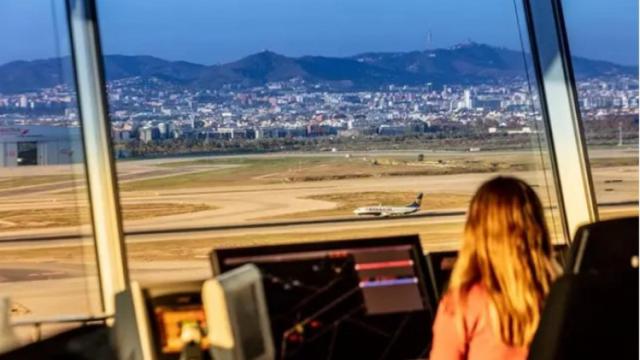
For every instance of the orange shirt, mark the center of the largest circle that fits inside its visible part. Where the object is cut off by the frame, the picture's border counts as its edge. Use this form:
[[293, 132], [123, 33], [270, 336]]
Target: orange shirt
[[472, 338]]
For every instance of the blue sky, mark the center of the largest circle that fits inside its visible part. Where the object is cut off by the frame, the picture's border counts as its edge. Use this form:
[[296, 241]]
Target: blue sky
[[213, 31]]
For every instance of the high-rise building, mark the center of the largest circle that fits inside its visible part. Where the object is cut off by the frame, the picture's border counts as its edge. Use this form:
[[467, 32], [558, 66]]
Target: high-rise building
[[148, 134], [23, 102], [468, 101]]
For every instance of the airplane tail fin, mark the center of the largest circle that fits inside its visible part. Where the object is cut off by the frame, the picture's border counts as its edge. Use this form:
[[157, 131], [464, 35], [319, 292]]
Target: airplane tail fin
[[417, 202]]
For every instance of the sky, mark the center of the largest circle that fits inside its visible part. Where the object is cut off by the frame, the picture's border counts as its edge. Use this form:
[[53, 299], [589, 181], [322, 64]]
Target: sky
[[218, 31]]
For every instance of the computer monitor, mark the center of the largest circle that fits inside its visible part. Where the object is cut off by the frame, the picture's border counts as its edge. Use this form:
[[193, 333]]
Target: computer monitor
[[440, 265], [349, 299], [159, 322], [235, 302], [561, 252]]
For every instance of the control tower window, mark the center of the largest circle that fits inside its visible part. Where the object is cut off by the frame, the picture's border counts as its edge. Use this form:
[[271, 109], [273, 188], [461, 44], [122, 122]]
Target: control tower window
[[306, 130], [608, 102], [48, 265]]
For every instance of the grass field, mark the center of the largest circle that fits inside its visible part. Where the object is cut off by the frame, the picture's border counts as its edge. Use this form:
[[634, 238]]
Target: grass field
[[198, 249], [267, 170], [13, 182], [74, 216], [613, 162], [252, 170]]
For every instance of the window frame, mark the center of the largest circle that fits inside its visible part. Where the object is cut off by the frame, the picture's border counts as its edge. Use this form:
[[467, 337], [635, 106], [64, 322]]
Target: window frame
[[104, 201], [558, 97]]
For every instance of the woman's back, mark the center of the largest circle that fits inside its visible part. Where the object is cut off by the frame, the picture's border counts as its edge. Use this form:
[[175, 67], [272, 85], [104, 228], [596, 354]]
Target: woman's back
[[501, 277], [464, 331]]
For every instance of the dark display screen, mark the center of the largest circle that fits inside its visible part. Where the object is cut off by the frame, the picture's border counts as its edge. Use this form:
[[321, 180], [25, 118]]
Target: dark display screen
[[177, 319], [352, 299], [251, 339]]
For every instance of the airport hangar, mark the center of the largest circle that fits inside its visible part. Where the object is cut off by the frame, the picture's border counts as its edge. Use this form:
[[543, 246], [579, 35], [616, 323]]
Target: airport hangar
[[23, 145]]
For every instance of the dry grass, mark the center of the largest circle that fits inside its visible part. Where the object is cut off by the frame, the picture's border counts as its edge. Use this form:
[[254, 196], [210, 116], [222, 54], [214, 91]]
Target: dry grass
[[181, 249], [616, 212], [19, 181], [76, 216], [434, 236], [613, 162], [268, 170]]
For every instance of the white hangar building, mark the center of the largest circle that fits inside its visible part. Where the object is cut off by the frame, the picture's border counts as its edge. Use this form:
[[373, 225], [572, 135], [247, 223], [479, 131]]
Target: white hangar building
[[39, 145]]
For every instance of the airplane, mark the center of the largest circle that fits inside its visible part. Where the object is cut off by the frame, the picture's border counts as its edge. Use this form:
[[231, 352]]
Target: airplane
[[390, 210]]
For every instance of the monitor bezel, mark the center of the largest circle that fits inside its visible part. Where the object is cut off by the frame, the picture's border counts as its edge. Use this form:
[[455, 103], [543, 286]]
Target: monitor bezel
[[433, 258], [218, 256], [232, 283]]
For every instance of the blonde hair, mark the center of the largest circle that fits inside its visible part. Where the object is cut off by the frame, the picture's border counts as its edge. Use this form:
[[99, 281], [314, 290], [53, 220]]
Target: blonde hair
[[507, 251]]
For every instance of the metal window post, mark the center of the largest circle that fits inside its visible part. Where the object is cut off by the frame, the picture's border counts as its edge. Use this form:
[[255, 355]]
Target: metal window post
[[552, 63], [99, 161]]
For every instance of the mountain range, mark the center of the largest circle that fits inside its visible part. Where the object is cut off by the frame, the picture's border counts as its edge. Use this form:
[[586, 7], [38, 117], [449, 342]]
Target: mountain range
[[469, 63]]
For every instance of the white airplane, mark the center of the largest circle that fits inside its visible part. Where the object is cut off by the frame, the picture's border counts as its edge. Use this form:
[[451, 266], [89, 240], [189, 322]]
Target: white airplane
[[390, 210]]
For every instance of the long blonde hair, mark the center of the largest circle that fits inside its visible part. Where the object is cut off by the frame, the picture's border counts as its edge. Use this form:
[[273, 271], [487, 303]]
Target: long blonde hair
[[508, 252]]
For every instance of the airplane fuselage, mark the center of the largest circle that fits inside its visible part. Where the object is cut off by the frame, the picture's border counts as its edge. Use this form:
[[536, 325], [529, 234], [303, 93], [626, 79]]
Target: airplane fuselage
[[385, 210]]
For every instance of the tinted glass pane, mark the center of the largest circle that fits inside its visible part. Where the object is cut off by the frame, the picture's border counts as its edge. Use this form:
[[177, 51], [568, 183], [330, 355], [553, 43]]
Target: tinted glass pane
[[608, 96], [306, 119], [47, 263]]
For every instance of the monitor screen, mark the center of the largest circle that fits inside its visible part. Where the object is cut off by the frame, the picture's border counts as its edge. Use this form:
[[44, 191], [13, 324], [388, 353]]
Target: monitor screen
[[440, 266], [235, 303], [251, 340], [176, 319], [343, 299]]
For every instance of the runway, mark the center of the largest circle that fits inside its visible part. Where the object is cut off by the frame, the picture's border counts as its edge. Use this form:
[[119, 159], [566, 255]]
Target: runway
[[59, 239], [56, 239]]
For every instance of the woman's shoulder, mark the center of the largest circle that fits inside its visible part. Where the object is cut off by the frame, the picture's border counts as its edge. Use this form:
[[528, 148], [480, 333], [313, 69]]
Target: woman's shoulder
[[478, 292], [467, 301]]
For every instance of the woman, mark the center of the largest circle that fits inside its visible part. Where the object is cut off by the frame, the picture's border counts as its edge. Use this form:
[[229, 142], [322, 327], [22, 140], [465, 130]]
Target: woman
[[501, 277]]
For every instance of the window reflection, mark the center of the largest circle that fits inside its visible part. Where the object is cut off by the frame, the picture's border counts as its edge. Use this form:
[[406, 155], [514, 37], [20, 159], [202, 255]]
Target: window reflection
[[608, 99], [48, 265]]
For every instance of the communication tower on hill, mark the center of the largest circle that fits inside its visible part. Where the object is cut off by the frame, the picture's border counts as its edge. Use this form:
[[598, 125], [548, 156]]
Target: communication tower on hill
[[619, 134]]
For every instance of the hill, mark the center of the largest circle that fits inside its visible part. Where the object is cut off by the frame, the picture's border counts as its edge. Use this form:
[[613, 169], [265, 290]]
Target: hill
[[469, 63]]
